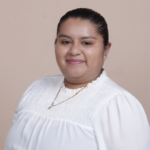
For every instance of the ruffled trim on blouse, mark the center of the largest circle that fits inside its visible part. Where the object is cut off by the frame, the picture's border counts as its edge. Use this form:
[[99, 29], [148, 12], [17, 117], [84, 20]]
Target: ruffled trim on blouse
[[98, 80]]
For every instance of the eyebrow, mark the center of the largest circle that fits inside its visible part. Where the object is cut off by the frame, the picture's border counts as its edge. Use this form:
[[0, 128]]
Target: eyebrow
[[63, 35], [88, 37], [84, 37]]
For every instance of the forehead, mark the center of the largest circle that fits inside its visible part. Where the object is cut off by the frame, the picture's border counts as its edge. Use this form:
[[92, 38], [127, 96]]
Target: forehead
[[79, 27]]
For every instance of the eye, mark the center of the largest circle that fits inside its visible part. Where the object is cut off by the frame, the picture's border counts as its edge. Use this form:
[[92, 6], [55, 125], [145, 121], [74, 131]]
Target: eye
[[86, 43], [65, 42]]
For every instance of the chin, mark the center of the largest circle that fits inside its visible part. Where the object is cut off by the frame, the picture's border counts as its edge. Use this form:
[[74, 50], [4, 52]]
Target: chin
[[73, 71], [74, 74]]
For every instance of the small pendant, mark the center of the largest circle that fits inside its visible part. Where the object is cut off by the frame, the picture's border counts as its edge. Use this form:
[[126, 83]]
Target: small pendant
[[50, 107]]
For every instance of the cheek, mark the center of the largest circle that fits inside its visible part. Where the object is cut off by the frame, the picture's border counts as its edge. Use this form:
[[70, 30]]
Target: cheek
[[94, 56], [60, 52]]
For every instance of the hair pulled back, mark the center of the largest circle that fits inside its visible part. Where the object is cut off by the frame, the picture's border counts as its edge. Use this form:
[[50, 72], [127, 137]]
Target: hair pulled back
[[92, 16]]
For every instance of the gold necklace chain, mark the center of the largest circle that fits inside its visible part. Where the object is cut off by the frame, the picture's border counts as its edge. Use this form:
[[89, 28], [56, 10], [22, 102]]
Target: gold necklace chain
[[66, 99]]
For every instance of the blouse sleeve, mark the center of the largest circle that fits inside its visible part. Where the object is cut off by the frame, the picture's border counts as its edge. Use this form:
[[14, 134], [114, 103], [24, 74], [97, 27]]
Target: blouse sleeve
[[121, 124]]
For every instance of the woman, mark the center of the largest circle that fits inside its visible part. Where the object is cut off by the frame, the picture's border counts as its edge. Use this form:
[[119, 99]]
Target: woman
[[83, 109]]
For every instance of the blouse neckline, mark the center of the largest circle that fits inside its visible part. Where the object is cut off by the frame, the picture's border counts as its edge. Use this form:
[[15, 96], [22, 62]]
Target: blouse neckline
[[98, 80]]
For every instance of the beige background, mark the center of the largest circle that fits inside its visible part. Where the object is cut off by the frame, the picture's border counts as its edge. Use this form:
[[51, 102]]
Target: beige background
[[27, 33]]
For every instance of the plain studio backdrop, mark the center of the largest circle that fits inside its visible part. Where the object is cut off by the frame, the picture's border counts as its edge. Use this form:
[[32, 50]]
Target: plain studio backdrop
[[27, 35]]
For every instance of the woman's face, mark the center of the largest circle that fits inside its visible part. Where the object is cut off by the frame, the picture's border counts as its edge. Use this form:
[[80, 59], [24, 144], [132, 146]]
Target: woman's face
[[80, 49]]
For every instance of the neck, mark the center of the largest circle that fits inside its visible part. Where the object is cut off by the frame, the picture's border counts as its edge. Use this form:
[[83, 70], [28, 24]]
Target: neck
[[75, 85]]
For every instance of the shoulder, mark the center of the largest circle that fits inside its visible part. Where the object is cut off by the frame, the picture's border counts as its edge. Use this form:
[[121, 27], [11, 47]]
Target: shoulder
[[49, 79], [120, 121], [43, 82], [118, 100], [121, 108], [110, 84], [117, 92], [121, 104], [38, 88], [110, 91]]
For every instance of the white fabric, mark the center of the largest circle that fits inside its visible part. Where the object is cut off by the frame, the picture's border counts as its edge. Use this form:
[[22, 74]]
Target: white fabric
[[103, 116]]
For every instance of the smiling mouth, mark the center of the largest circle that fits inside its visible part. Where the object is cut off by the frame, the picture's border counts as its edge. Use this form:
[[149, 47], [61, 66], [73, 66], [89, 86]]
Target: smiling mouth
[[74, 61]]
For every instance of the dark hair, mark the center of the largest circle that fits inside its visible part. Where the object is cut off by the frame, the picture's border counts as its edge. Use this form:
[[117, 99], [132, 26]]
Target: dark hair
[[92, 16]]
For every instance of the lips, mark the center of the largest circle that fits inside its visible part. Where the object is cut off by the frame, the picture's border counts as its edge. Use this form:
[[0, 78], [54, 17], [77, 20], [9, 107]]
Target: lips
[[74, 61]]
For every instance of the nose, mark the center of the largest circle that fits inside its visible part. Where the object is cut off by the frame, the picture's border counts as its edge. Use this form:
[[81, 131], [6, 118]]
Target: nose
[[74, 50]]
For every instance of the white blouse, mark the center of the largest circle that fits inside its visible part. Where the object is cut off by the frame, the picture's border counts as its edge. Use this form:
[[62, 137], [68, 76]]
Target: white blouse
[[103, 116]]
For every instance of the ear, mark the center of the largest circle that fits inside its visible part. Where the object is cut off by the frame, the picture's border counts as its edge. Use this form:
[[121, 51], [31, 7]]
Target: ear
[[55, 41], [106, 50]]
